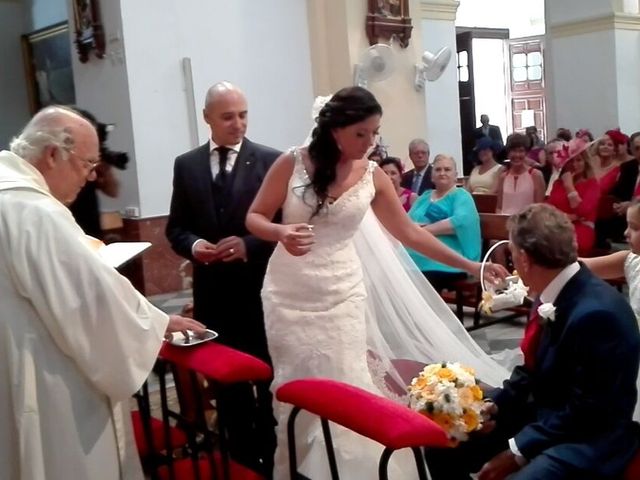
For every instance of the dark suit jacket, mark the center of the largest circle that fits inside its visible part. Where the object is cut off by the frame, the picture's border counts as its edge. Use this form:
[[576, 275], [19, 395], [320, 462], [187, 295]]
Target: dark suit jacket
[[197, 211], [578, 401], [494, 133], [626, 184], [426, 184]]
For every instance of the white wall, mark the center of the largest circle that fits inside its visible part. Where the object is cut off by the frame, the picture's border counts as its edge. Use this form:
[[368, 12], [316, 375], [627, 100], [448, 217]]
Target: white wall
[[628, 78], [562, 11], [441, 97], [42, 13], [584, 86], [523, 18], [263, 47], [14, 103]]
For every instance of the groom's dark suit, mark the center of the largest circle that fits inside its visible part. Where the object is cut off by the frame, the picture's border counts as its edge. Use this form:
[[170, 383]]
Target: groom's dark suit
[[226, 296], [573, 409]]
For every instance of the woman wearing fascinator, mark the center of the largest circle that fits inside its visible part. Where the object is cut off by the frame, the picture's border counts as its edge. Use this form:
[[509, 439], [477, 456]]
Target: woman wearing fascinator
[[576, 192], [341, 296]]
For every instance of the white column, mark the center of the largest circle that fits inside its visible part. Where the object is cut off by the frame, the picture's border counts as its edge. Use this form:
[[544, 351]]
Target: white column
[[593, 64], [441, 97]]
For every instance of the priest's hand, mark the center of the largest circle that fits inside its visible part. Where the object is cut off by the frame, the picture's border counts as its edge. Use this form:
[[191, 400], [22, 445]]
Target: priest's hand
[[182, 324], [499, 467]]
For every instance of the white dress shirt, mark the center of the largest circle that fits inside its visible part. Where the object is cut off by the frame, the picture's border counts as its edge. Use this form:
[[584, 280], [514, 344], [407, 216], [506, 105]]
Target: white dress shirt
[[548, 295], [215, 157]]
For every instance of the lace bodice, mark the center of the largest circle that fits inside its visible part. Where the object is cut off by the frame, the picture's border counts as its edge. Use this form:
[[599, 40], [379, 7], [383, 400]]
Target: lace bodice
[[332, 268], [337, 222]]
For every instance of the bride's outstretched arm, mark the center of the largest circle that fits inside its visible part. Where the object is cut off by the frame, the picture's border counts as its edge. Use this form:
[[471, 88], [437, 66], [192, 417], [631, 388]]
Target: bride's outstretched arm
[[391, 214], [296, 238]]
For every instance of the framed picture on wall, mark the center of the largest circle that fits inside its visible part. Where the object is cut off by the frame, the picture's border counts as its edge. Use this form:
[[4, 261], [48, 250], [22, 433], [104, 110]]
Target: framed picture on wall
[[388, 18], [89, 31], [47, 61]]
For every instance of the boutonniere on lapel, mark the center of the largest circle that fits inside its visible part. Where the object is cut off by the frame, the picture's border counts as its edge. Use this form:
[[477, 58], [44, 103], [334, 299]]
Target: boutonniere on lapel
[[547, 312]]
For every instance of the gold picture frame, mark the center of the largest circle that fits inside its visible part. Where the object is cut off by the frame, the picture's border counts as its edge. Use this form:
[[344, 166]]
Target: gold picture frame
[[47, 64]]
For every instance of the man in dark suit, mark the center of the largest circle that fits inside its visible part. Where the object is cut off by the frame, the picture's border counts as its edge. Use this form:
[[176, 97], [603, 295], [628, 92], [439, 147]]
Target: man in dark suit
[[213, 187], [567, 412], [487, 130], [418, 179]]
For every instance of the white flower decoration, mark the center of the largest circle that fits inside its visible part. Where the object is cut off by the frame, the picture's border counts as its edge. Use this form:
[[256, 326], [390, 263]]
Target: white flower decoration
[[547, 311], [318, 104]]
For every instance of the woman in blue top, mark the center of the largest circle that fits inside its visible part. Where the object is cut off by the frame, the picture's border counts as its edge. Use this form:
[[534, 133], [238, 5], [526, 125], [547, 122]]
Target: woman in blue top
[[450, 214]]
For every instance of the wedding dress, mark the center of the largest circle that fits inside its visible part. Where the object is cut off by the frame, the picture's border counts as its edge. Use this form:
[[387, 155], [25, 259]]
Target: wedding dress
[[325, 317]]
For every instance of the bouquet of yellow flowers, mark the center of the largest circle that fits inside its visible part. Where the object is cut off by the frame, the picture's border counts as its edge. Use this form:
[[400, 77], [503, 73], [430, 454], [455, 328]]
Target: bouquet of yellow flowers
[[447, 393]]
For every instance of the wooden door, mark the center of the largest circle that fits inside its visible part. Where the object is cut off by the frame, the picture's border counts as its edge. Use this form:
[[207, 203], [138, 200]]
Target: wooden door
[[526, 74], [467, 99]]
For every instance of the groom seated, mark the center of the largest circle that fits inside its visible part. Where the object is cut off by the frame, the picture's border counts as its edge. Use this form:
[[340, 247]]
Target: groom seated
[[566, 413]]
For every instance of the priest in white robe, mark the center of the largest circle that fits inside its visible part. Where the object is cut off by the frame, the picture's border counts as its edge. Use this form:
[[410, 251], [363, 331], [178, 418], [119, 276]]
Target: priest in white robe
[[76, 339]]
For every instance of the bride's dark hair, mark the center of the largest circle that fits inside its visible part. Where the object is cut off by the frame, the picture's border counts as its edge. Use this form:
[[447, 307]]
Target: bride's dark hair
[[348, 106]]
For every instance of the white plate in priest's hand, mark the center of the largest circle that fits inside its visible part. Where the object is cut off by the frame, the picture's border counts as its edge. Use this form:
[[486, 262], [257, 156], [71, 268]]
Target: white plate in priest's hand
[[179, 339]]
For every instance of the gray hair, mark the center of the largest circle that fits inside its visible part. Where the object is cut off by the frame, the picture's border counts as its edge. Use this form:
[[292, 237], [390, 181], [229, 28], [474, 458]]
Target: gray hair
[[418, 141], [443, 156], [47, 128], [545, 234]]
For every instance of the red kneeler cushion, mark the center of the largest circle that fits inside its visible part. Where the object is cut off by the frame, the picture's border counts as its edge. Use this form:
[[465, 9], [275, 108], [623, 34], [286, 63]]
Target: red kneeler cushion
[[183, 470], [387, 422], [178, 437], [633, 470], [218, 362]]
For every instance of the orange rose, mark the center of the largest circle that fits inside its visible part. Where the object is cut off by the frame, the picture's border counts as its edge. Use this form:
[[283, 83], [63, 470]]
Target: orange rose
[[446, 374], [477, 392], [471, 420]]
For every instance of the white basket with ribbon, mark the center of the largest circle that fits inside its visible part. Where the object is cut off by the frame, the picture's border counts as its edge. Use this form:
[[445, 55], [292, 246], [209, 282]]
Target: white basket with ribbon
[[509, 294]]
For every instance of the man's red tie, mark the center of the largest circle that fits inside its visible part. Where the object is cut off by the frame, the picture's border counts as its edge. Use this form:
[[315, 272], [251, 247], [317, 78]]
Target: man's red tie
[[532, 334]]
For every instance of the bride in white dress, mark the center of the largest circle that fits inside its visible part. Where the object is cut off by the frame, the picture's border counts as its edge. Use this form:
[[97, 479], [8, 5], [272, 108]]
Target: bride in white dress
[[317, 317]]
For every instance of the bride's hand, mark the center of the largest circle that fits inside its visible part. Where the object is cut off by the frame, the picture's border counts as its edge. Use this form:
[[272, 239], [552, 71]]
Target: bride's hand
[[297, 238], [494, 273]]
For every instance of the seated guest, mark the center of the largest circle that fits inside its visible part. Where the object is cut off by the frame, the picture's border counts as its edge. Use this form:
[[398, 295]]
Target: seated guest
[[627, 187], [520, 185], [624, 191], [484, 176], [418, 179], [392, 166], [450, 214], [566, 412], [609, 149], [577, 192]]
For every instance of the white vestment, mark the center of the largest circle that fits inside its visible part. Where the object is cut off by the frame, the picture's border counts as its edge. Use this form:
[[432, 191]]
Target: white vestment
[[76, 341]]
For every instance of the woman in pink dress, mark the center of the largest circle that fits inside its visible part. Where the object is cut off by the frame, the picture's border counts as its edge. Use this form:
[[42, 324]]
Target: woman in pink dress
[[520, 185], [393, 168], [576, 191]]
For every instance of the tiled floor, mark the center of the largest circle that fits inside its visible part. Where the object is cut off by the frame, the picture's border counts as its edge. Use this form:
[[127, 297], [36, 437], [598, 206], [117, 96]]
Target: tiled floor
[[492, 339]]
